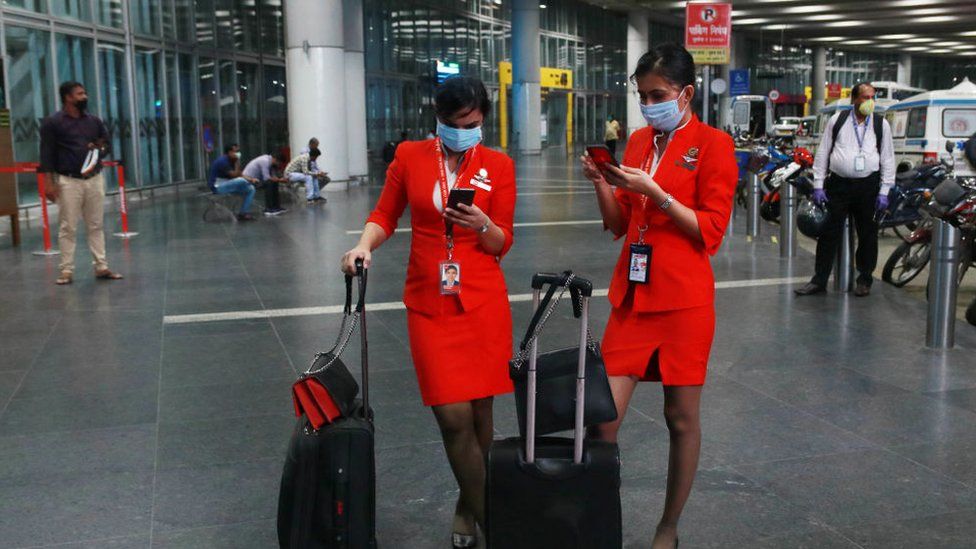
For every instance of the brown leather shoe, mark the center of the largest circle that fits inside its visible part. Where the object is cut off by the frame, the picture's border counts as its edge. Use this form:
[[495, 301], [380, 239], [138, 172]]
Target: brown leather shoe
[[862, 290], [810, 289]]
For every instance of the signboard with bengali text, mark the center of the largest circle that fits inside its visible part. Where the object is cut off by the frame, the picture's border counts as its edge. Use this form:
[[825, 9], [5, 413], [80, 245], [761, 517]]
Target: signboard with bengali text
[[708, 32]]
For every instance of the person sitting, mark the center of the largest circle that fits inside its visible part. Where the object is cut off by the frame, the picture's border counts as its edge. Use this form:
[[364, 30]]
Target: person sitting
[[225, 178], [264, 169], [302, 170]]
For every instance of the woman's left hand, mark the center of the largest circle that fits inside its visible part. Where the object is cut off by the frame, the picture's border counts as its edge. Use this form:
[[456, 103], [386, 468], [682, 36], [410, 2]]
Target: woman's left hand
[[469, 217], [632, 179]]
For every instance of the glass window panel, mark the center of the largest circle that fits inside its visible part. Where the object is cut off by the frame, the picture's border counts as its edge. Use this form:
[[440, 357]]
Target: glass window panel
[[209, 109], [205, 22], [76, 61], [184, 19], [145, 16], [249, 111], [114, 105], [109, 13], [169, 19], [228, 104], [271, 24], [275, 108], [33, 5], [31, 97], [173, 116], [150, 105], [72, 9], [188, 117], [224, 18], [247, 31]]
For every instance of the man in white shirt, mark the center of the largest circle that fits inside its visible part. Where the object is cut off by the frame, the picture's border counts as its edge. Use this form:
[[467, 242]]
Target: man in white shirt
[[853, 171]]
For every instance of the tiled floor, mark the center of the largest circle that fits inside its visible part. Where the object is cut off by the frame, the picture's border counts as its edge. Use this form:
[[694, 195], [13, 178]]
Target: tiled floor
[[827, 424]]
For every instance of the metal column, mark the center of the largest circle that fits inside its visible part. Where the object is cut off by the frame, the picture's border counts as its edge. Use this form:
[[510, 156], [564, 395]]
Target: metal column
[[787, 221], [844, 266], [752, 206], [940, 330]]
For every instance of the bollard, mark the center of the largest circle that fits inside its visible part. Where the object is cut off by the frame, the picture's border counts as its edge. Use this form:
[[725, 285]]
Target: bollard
[[787, 221], [844, 266], [754, 195], [123, 209], [940, 332], [45, 225]]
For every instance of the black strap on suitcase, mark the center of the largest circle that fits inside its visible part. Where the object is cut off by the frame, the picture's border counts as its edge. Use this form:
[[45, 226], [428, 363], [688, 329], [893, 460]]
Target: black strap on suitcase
[[554, 492], [328, 485]]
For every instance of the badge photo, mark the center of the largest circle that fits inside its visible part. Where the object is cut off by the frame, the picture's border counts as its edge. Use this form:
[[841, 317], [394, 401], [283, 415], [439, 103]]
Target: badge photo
[[450, 278], [640, 259]]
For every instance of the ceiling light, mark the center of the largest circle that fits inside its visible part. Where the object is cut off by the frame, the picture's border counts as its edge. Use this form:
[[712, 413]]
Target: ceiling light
[[858, 42], [925, 11], [896, 36], [781, 27], [935, 19], [940, 51], [803, 9], [916, 48], [845, 24], [828, 39], [968, 33], [920, 40], [887, 45], [750, 21], [824, 17], [964, 47], [948, 44]]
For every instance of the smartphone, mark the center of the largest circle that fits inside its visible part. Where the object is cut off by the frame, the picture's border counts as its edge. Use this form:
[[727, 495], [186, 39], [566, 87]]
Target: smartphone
[[601, 156], [460, 196]]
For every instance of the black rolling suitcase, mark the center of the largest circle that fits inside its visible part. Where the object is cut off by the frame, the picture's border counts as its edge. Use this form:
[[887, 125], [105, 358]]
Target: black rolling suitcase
[[551, 492], [328, 486]]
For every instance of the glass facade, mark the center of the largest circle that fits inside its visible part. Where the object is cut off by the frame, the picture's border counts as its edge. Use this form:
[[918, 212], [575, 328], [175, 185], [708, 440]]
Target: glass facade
[[158, 72], [405, 39]]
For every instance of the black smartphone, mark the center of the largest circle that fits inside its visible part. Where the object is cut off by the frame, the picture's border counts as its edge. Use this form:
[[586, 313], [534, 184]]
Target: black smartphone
[[601, 156], [460, 196]]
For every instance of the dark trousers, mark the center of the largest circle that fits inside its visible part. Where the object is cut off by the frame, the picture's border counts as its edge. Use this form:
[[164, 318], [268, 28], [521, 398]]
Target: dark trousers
[[272, 200], [612, 145], [854, 197]]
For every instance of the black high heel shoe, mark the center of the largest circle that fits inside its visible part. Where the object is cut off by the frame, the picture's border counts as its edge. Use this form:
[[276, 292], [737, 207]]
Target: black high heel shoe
[[464, 541]]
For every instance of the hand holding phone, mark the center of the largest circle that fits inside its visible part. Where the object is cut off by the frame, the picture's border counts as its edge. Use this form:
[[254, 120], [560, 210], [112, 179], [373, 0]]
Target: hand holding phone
[[460, 196], [602, 157]]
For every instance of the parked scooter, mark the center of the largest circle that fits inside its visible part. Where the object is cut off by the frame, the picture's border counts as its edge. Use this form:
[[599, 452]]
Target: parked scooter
[[791, 173]]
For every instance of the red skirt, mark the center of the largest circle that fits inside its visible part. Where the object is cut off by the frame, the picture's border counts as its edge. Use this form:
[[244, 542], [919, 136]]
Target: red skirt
[[682, 340], [462, 355]]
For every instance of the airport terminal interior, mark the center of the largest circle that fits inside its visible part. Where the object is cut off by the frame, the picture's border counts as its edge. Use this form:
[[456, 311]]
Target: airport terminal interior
[[157, 410]]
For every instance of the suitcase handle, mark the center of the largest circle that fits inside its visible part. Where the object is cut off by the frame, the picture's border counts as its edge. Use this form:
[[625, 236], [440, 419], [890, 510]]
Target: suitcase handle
[[581, 285], [586, 289], [364, 347]]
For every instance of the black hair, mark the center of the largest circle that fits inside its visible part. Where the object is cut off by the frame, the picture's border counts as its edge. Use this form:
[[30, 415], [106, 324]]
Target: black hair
[[451, 268], [461, 93], [67, 88], [670, 61], [314, 153], [856, 90], [229, 148], [315, 139], [278, 156]]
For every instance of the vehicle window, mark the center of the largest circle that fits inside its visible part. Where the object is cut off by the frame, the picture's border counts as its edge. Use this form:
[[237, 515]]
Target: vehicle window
[[916, 122], [958, 122], [881, 93], [740, 114], [898, 120]]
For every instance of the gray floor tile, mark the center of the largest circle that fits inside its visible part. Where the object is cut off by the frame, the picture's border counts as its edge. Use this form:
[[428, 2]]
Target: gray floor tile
[[9, 382], [954, 457], [223, 440], [80, 507], [78, 412], [216, 359], [861, 487], [226, 401], [249, 535], [947, 531], [216, 494], [124, 542]]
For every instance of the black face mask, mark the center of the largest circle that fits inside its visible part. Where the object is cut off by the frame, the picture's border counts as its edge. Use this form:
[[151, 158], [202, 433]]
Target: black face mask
[[82, 105]]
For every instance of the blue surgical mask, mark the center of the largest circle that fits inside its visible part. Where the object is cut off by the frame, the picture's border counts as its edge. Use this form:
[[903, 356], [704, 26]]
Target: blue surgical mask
[[664, 116], [458, 139]]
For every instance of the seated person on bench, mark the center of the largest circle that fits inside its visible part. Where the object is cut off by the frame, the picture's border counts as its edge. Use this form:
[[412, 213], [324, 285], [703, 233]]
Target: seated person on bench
[[260, 170], [225, 178]]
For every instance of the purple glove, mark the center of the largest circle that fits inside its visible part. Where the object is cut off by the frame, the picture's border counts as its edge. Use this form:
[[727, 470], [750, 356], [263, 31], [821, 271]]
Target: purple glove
[[819, 196], [881, 203]]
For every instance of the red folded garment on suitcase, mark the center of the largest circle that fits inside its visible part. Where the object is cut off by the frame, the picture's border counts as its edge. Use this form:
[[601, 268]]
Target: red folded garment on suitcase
[[313, 400]]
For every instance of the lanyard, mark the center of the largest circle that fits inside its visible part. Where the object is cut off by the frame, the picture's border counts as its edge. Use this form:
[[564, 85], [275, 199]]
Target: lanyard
[[445, 191], [650, 165], [860, 136]]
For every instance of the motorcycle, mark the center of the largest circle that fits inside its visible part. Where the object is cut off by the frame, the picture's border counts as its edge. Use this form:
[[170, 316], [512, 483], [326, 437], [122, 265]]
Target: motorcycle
[[791, 173], [905, 199]]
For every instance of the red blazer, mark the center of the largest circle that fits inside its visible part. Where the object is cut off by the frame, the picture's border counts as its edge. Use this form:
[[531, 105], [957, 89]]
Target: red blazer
[[699, 169], [412, 179]]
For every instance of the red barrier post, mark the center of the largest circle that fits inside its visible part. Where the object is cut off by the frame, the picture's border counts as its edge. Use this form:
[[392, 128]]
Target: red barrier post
[[44, 219], [123, 209]]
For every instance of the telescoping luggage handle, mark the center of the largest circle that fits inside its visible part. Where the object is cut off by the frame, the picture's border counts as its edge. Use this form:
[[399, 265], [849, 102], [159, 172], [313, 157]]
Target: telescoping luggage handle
[[350, 319], [583, 288]]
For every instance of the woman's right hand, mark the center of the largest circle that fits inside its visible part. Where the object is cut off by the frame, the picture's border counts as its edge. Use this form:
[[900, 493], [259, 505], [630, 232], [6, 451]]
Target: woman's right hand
[[349, 259], [592, 172]]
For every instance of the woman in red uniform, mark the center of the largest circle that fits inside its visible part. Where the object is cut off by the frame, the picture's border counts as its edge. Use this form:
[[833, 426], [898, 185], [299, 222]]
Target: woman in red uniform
[[671, 202], [458, 314]]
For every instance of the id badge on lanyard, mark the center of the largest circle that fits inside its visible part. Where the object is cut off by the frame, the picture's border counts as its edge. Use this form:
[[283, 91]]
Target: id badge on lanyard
[[448, 270], [639, 265]]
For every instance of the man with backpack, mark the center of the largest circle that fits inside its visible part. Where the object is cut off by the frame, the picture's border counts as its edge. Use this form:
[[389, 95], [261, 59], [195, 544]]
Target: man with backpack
[[853, 171]]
